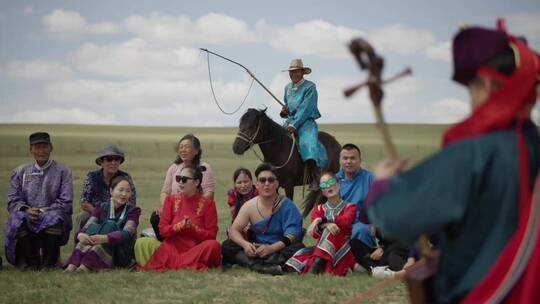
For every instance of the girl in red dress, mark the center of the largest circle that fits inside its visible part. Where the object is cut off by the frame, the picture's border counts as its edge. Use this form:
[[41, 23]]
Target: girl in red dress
[[188, 225], [331, 226]]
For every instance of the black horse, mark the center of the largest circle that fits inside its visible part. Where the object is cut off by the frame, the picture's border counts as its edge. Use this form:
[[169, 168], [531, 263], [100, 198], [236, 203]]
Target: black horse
[[278, 149]]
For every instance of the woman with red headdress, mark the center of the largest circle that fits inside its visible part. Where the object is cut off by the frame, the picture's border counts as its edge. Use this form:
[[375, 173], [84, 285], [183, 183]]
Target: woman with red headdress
[[476, 193]]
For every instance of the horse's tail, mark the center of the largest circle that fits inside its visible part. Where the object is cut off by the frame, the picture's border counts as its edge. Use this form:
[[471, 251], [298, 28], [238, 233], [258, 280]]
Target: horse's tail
[[314, 197]]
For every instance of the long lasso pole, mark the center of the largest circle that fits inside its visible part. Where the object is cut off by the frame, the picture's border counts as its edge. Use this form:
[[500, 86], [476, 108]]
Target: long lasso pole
[[249, 72]]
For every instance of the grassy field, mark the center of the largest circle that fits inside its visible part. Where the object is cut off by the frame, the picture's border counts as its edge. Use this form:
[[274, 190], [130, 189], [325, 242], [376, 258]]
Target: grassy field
[[149, 152]]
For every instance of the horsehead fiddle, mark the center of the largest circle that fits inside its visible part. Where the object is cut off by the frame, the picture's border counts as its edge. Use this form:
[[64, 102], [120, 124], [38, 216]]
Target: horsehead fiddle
[[419, 276]]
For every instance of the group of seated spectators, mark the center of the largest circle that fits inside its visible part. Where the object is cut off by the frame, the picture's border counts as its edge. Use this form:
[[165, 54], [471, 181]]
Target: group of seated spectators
[[265, 235]]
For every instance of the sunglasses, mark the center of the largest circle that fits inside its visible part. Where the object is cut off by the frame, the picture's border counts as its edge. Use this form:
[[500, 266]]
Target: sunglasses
[[112, 158], [183, 179], [328, 184], [270, 179]]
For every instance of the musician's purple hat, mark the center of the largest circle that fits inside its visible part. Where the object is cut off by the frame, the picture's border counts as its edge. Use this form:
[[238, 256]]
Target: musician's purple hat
[[475, 47]]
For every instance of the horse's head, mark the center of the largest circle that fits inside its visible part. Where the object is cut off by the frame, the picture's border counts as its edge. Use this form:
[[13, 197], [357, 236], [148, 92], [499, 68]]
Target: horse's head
[[249, 130]]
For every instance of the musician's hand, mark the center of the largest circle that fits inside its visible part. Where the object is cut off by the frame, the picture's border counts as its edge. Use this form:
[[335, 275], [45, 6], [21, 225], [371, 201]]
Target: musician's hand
[[387, 168], [377, 254], [291, 129], [284, 112], [409, 263]]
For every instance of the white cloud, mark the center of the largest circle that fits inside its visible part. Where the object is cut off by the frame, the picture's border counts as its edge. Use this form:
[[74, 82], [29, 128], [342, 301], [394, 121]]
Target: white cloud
[[103, 28], [142, 92], [61, 115], [327, 40], [440, 51], [316, 37], [449, 110], [38, 69], [535, 113], [137, 58], [211, 28], [527, 25], [64, 23], [68, 24], [28, 9], [402, 39]]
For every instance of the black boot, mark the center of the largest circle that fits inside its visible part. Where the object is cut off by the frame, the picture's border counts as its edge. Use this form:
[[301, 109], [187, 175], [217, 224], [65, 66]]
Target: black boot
[[315, 267], [314, 175], [27, 251], [267, 269], [154, 221], [243, 260], [51, 249]]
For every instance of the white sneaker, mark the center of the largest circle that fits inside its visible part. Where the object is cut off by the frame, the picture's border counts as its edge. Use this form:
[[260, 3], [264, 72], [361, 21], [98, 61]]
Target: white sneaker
[[382, 272], [148, 232], [359, 268]]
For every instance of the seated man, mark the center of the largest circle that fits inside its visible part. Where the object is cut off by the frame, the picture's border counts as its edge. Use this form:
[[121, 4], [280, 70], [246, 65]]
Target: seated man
[[40, 196], [355, 182], [276, 228], [95, 190]]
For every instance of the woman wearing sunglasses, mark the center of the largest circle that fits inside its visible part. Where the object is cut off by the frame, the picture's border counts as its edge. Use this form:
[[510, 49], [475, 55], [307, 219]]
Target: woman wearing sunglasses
[[189, 152], [95, 189], [188, 226], [331, 226]]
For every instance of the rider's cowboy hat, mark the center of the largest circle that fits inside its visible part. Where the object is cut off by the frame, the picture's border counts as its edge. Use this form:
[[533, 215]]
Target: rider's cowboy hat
[[297, 64]]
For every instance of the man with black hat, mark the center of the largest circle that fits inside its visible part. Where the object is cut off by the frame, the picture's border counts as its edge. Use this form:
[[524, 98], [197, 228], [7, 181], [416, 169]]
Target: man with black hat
[[476, 193], [40, 196], [95, 188]]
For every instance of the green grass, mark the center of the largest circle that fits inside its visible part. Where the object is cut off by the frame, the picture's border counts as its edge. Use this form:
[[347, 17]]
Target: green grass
[[149, 152]]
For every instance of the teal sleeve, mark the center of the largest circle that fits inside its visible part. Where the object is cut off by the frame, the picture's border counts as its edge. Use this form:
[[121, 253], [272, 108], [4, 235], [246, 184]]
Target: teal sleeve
[[430, 195]]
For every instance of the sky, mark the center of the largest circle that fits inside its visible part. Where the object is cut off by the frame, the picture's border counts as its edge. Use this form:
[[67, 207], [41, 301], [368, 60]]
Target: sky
[[138, 62]]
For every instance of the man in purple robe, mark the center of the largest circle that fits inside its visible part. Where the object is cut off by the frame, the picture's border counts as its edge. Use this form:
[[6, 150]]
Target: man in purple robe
[[40, 196]]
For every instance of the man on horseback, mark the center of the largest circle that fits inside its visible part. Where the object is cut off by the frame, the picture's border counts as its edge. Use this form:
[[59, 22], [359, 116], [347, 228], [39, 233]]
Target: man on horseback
[[300, 112]]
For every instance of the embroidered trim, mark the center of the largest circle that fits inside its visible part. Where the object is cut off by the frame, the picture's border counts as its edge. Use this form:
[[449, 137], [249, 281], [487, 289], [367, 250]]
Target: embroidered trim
[[200, 206], [177, 202]]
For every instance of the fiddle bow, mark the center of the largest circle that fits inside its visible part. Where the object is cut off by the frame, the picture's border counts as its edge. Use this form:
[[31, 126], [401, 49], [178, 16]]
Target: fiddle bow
[[419, 277]]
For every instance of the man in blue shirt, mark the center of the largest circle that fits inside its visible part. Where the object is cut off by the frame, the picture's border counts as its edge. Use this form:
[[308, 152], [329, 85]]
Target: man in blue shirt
[[355, 182]]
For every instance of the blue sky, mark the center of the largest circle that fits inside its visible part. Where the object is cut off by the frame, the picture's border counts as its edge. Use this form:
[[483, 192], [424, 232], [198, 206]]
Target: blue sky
[[138, 63]]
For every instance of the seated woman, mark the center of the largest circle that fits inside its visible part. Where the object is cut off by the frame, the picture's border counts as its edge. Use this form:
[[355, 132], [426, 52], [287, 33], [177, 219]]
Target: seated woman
[[243, 191], [188, 225], [107, 238], [189, 153], [331, 226]]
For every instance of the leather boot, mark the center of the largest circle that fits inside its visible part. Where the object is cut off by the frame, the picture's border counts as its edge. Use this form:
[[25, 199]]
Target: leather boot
[[243, 260], [51, 251], [267, 269], [33, 263], [315, 267]]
